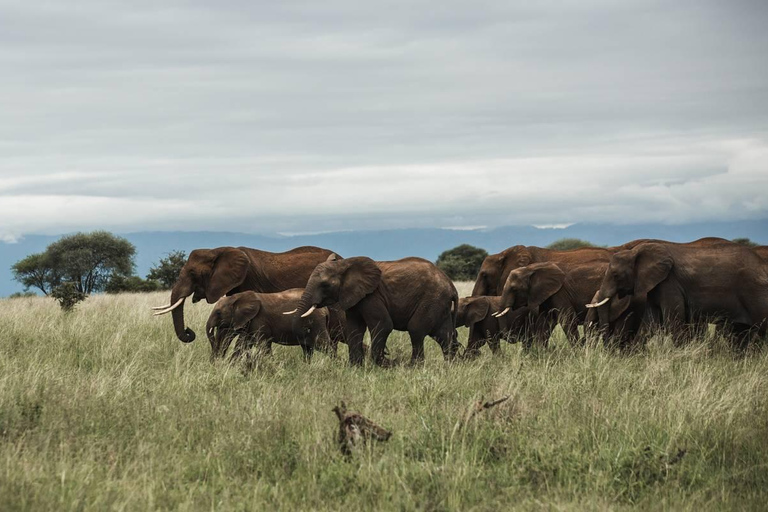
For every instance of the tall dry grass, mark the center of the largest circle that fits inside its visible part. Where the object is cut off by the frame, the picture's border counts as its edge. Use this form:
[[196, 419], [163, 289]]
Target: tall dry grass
[[104, 409]]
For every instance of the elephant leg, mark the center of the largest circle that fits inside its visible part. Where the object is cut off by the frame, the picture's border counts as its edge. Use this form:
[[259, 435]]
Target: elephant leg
[[354, 334], [475, 342], [326, 343], [447, 338], [308, 350], [379, 335], [493, 344], [570, 325], [240, 347], [417, 347]]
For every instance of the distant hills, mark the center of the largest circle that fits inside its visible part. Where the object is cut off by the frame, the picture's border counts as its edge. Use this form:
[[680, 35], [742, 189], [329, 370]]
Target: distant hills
[[392, 244]]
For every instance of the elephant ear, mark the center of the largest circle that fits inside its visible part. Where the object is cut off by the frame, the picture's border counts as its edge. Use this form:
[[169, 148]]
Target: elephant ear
[[333, 257], [545, 281], [360, 278], [618, 307], [229, 272], [476, 310], [245, 309], [653, 263]]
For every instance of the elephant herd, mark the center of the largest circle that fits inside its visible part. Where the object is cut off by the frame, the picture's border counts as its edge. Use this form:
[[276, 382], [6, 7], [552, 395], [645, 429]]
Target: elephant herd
[[314, 298]]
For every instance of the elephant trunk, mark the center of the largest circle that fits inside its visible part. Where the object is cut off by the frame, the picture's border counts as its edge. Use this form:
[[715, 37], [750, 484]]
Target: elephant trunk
[[604, 298], [481, 288], [185, 334], [210, 331]]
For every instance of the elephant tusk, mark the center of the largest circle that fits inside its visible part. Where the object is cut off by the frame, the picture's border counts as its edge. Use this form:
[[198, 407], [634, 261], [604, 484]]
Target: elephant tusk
[[158, 308], [309, 312], [170, 308], [501, 313], [597, 305], [290, 312]]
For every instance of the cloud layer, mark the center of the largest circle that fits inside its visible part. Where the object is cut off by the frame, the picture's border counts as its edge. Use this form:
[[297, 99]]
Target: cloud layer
[[306, 116]]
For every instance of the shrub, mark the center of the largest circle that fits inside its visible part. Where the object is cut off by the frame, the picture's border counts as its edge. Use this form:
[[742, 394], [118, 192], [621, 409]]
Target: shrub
[[744, 241], [68, 295], [462, 263], [167, 270], [131, 284], [566, 244]]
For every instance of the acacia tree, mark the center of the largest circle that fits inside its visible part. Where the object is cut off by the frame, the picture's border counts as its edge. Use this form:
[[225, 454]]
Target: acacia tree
[[89, 259], [86, 260], [37, 271], [167, 270]]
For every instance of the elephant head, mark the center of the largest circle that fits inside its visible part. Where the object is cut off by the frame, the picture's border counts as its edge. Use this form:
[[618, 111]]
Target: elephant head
[[230, 317], [631, 274], [208, 274], [530, 286], [496, 267], [343, 281], [472, 310], [616, 308]]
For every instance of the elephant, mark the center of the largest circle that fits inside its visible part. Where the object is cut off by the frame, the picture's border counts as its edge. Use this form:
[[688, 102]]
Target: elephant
[[477, 313], [258, 319], [213, 273], [690, 284], [762, 251], [410, 294], [626, 318], [496, 267], [550, 296]]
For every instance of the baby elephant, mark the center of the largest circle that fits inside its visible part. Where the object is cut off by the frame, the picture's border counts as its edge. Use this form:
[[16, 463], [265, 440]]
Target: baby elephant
[[478, 313], [259, 320]]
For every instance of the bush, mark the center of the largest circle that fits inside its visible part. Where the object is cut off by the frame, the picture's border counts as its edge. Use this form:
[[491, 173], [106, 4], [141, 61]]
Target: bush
[[744, 241], [462, 263], [22, 295], [131, 284], [167, 270], [566, 244], [86, 260], [68, 295]]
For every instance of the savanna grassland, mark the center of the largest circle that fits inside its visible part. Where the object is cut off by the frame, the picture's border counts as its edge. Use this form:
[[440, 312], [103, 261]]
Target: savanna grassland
[[104, 409]]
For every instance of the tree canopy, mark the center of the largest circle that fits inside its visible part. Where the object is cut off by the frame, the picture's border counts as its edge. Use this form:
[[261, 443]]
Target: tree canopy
[[86, 260], [462, 263], [566, 244]]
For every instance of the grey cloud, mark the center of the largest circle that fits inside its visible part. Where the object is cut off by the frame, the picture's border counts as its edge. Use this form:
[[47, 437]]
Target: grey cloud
[[343, 113]]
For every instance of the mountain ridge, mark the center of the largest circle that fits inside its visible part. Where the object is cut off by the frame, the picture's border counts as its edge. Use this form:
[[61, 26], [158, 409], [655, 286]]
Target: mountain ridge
[[390, 244]]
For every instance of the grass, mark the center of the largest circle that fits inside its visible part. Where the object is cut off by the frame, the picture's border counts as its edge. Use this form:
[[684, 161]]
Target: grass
[[104, 409]]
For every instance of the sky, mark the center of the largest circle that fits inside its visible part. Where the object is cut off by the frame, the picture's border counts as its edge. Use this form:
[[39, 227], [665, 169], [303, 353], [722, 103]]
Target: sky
[[305, 116]]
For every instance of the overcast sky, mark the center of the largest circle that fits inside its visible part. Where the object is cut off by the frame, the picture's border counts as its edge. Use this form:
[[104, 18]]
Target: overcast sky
[[317, 116]]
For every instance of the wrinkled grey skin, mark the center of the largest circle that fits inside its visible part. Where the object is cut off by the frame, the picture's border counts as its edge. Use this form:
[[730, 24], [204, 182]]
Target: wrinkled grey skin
[[258, 320], [410, 294]]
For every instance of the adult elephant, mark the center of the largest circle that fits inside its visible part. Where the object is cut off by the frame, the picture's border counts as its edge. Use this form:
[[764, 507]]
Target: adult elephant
[[690, 284], [496, 267], [624, 318], [410, 294], [550, 296], [762, 251], [213, 273]]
